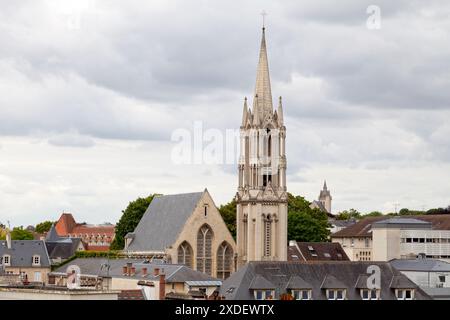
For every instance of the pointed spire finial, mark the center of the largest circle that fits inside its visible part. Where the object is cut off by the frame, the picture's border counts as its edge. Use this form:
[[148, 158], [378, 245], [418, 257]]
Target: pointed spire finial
[[280, 113], [263, 14], [325, 185], [262, 87], [244, 113]]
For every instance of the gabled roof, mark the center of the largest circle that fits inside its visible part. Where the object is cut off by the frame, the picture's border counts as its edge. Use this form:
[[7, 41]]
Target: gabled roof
[[330, 282], [163, 221], [402, 282], [259, 282], [22, 252], [297, 282]]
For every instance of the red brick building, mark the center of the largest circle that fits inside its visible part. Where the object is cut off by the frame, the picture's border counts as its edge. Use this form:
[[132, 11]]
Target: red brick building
[[95, 237]]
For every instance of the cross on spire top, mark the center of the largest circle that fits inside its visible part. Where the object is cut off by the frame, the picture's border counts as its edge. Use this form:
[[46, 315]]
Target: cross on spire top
[[263, 14]]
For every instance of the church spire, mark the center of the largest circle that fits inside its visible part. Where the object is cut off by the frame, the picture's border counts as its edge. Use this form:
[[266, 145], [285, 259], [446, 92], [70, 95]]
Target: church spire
[[245, 113], [280, 113], [262, 88], [325, 185]]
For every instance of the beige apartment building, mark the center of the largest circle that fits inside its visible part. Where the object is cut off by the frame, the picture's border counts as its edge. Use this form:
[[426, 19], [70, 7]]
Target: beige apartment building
[[384, 238]]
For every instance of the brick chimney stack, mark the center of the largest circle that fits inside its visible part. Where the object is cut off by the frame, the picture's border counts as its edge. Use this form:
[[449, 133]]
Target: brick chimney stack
[[144, 272], [156, 272], [162, 286]]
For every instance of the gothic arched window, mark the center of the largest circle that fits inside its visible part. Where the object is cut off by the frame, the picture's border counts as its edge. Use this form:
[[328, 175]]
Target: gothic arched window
[[185, 254], [204, 244], [224, 260], [267, 235]]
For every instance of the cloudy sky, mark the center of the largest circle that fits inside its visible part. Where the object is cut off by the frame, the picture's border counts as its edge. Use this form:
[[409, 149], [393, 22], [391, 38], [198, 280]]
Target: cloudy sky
[[91, 92]]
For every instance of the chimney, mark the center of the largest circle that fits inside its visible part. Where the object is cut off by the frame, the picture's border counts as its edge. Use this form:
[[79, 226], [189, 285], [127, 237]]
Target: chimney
[[125, 270], [156, 272], [129, 265], [292, 243], [144, 272], [8, 240], [162, 286], [133, 271]]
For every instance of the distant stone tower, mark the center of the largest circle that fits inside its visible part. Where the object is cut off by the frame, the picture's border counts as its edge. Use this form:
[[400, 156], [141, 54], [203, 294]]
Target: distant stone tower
[[262, 196], [325, 197]]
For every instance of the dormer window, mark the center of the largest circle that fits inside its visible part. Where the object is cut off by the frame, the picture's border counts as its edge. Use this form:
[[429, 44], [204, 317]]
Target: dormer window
[[264, 294], [370, 294], [336, 294], [36, 260], [404, 294], [6, 260], [301, 294]]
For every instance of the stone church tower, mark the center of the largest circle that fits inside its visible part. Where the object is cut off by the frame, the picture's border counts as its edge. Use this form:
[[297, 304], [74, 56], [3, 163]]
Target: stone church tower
[[262, 196], [325, 197]]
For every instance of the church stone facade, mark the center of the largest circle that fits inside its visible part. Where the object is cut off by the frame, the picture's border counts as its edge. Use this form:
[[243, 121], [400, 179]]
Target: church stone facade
[[262, 195], [185, 229]]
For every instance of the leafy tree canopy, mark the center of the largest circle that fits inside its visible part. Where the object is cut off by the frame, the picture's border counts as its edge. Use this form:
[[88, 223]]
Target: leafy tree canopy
[[130, 219], [228, 212], [43, 226], [348, 214]]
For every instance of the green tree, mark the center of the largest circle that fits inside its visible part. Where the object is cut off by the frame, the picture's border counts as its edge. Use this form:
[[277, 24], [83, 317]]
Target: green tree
[[43, 226], [348, 214], [373, 214], [130, 219], [304, 223], [228, 213], [19, 233]]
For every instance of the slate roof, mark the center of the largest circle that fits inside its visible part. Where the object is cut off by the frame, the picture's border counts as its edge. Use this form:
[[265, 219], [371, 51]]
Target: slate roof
[[64, 248], [173, 272], [425, 265], [22, 252], [318, 274], [163, 221], [330, 282], [401, 282], [52, 235], [402, 223], [259, 282], [297, 282], [363, 227], [323, 251]]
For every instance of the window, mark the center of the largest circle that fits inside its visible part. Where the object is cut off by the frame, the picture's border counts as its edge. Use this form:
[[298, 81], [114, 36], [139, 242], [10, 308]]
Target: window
[[301, 294], [369, 294], [36, 260], [404, 294], [6, 260], [204, 243], [267, 236], [264, 294], [224, 261], [366, 242], [336, 294], [185, 254], [37, 276], [352, 242]]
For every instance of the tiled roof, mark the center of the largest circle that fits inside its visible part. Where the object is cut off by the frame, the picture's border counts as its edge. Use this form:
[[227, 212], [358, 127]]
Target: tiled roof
[[315, 251], [66, 225], [131, 295], [363, 227]]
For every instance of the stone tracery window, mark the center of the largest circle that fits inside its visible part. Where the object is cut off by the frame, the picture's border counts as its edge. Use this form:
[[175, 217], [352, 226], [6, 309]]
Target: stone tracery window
[[185, 254], [204, 244], [224, 260]]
